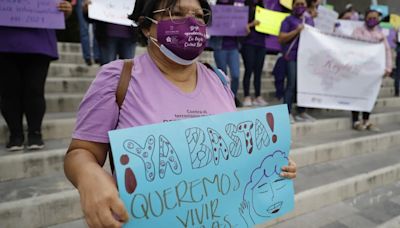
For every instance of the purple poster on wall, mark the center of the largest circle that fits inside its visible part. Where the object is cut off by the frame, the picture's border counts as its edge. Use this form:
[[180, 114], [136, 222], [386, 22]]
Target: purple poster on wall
[[229, 20], [31, 14]]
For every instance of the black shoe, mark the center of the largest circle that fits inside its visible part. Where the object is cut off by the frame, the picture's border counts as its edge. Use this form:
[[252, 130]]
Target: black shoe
[[88, 62], [97, 61], [238, 103], [35, 141], [15, 144]]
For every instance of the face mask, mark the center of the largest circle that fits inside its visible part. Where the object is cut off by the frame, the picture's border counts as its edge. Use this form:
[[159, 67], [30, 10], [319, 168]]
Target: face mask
[[299, 10], [182, 41], [371, 23]]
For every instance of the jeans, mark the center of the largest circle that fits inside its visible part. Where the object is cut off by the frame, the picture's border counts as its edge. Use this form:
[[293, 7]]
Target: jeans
[[22, 91], [84, 35], [291, 87], [113, 47], [397, 75], [229, 58], [253, 59]]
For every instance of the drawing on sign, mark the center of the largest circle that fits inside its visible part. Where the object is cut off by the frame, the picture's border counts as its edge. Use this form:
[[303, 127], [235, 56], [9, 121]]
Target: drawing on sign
[[260, 196]]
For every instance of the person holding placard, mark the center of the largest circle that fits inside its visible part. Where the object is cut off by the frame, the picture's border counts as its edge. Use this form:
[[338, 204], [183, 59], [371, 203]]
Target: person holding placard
[[226, 54], [25, 55], [289, 38], [165, 84], [371, 31], [253, 54], [313, 8]]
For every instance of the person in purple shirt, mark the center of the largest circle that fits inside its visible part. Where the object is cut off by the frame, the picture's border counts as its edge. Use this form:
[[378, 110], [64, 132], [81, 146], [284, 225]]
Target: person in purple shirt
[[253, 54], [167, 83], [25, 55], [226, 54], [289, 38]]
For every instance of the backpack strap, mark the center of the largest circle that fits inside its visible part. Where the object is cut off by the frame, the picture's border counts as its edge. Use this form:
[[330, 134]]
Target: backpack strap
[[218, 73], [124, 80]]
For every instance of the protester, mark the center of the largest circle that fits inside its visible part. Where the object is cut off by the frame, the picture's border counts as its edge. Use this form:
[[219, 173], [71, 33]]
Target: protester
[[279, 72], [313, 8], [355, 16], [182, 83], [253, 54], [85, 37], [115, 41], [371, 31], [396, 74], [25, 55], [289, 38], [226, 54]]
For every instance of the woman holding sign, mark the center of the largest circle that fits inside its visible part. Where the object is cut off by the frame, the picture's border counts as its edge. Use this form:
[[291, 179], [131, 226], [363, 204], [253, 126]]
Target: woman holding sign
[[165, 84], [25, 55], [289, 37], [371, 31]]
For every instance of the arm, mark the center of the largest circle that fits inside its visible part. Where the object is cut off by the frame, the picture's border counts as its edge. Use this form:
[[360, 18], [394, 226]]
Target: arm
[[99, 195], [389, 59], [251, 25], [286, 37]]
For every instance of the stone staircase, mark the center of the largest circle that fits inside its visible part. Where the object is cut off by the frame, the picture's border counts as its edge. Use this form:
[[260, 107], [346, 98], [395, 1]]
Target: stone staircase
[[345, 178]]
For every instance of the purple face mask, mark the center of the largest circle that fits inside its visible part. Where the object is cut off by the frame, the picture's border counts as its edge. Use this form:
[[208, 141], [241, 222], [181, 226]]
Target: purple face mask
[[371, 23], [182, 40], [299, 10]]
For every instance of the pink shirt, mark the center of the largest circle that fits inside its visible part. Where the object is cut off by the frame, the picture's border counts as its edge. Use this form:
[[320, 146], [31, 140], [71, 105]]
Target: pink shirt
[[375, 35], [150, 99]]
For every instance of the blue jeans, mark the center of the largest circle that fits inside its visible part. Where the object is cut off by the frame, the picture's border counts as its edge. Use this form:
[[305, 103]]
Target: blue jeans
[[84, 35], [253, 59], [229, 58], [113, 47], [291, 87]]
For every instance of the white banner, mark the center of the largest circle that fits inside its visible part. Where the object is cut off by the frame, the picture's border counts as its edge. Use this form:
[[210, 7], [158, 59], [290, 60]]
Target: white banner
[[326, 19], [112, 11], [338, 73]]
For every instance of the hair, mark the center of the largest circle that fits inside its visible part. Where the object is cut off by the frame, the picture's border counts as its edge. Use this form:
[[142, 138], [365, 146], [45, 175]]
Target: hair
[[369, 11], [144, 9]]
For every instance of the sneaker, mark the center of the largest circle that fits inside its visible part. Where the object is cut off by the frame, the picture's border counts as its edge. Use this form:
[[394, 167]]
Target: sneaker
[[247, 102], [299, 118], [35, 141], [15, 144], [308, 117], [371, 127], [88, 62], [259, 101], [238, 103], [358, 126], [292, 121]]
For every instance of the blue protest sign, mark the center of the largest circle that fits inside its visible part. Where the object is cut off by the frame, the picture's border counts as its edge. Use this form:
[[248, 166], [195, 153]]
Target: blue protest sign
[[214, 171]]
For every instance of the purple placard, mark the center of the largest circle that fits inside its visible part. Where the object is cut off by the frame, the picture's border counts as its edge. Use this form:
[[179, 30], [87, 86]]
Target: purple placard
[[229, 20], [31, 14]]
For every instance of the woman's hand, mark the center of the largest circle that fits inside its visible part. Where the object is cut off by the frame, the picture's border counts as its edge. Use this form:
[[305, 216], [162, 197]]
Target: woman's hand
[[387, 73], [300, 28], [66, 7], [289, 171], [85, 6], [100, 202]]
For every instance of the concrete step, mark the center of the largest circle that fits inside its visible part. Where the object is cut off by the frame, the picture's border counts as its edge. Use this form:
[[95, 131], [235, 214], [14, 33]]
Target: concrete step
[[69, 102], [379, 207], [72, 70], [321, 185]]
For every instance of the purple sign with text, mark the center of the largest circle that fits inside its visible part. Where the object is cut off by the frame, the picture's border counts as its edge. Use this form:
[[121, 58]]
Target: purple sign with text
[[31, 14], [229, 20]]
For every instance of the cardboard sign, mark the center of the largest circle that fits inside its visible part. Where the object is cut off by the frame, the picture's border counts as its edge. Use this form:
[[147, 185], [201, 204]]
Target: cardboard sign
[[31, 14], [112, 11], [213, 171], [326, 19], [229, 20], [270, 21]]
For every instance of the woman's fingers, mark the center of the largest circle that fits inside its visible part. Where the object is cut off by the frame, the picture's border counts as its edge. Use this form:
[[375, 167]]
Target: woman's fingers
[[289, 171], [107, 219], [118, 209]]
